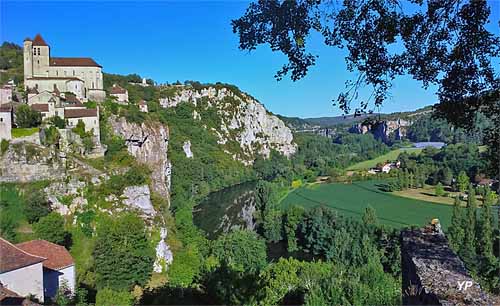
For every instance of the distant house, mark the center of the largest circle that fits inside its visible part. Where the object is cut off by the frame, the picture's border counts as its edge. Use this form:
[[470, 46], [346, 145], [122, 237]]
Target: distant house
[[90, 118], [58, 268], [6, 94], [36, 268], [120, 93], [486, 182], [6, 122], [143, 107], [20, 271], [386, 168]]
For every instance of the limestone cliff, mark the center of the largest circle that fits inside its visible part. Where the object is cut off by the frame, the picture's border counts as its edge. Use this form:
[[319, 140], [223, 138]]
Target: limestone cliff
[[240, 118], [384, 130], [148, 143]]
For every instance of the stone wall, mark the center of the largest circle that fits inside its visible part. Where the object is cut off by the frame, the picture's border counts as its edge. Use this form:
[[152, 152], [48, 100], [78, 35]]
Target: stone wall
[[27, 162], [433, 274]]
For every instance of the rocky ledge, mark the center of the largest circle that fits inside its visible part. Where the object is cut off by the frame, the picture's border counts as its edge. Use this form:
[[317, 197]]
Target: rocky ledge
[[434, 275]]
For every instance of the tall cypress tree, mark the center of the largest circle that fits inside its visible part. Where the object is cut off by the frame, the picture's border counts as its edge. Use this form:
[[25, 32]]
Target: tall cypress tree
[[470, 225], [456, 230], [485, 230]]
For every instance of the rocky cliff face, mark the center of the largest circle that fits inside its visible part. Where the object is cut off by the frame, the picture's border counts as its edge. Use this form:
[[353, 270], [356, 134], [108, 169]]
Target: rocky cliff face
[[241, 118], [383, 130], [148, 143]]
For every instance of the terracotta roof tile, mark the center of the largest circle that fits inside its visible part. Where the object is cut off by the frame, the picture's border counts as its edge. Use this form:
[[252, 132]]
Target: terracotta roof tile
[[43, 108], [78, 113], [12, 257], [38, 41], [57, 256], [116, 89], [73, 62]]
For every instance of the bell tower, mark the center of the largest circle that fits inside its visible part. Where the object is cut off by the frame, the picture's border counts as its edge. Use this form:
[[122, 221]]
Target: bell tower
[[28, 59], [41, 57]]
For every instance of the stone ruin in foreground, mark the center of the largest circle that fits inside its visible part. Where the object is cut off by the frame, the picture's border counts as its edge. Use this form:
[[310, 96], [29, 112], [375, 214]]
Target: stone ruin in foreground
[[434, 275]]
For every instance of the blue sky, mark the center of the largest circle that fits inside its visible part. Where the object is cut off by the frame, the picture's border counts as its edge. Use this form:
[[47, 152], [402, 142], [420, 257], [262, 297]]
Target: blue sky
[[169, 41]]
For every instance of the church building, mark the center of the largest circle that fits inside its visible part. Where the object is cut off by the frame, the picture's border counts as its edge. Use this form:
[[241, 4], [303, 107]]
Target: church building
[[79, 75]]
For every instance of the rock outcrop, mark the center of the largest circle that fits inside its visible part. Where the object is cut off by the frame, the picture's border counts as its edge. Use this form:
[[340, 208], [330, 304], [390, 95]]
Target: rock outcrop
[[164, 255], [27, 162], [384, 130], [434, 275], [139, 198], [241, 118], [148, 143]]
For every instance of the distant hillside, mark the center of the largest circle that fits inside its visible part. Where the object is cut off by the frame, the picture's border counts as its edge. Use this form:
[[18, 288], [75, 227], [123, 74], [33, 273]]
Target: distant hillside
[[297, 123]]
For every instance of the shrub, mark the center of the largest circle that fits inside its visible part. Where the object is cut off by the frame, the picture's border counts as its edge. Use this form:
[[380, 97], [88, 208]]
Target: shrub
[[57, 122], [27, 117], [109, 297], [4, 146], [51, 228], [36, 205]]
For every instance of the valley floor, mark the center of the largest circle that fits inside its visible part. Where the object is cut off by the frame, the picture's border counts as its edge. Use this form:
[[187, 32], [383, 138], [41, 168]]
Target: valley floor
[[352, 199]]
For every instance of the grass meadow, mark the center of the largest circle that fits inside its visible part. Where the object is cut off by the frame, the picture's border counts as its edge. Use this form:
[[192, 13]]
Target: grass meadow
[[352, 199]]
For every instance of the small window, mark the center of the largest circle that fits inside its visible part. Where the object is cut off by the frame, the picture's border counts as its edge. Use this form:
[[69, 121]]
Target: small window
[[1, 120], [64, 72], [57, 72], [73, 72]]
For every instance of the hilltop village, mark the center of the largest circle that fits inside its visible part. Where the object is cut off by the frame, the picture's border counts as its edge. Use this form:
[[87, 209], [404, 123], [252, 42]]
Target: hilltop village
[[117, 190]]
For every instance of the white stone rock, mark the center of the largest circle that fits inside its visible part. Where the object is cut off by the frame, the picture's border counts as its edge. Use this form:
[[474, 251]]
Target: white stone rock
[[164, 255], [139, 197], [187, 149]]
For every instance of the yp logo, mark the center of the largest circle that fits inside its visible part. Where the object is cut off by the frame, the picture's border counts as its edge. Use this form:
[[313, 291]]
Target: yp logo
[[462, 286]]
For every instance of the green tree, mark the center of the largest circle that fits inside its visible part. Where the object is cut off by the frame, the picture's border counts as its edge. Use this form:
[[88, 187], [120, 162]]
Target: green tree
[[273, 224], [469, 248], [27, 117], [456, 230], [485, 227], [185, 269], [241, 251], [58, 122], [439, 191], [279, 279], [123, 256], [293, 217], [36, 205], [109, 297], [51, 228], [461, 63], [370, 216], [463, 181]]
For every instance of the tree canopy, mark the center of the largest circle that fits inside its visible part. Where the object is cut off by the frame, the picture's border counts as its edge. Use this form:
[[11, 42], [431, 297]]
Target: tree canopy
[[442, 43]]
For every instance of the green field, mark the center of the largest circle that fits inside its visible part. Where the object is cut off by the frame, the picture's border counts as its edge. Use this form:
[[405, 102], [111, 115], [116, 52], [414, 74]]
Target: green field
[[23, 132], [352, 199], [391, 156]]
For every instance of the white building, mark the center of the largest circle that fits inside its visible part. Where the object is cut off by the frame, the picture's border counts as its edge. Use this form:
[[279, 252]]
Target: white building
[[5, 122], [120, 93], [6, 94], [143, 107], [58, 266], [79, 75], [21, 271]]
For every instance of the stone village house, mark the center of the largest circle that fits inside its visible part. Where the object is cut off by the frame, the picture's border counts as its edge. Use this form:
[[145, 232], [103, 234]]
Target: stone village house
[[37, 268], [120, 93]]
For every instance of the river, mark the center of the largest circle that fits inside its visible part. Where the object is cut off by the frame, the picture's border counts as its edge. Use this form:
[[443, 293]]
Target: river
[[230, 208]]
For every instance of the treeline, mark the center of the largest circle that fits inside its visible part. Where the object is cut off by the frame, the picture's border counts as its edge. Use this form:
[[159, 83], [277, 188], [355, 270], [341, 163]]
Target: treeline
[[473, 236], [428, 128], [444, 165]]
